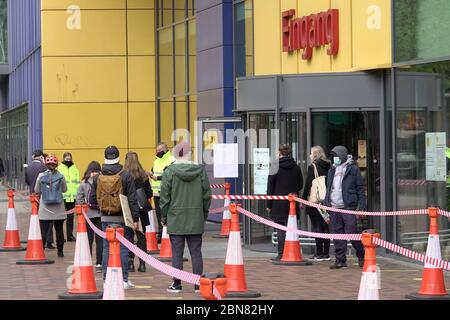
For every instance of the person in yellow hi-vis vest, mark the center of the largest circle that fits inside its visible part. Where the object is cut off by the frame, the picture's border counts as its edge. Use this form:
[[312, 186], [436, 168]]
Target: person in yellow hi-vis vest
[[163, 159], [72, 176]]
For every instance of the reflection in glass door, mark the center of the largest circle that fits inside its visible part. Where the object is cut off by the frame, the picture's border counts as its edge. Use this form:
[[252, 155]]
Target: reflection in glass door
[[359, 132]]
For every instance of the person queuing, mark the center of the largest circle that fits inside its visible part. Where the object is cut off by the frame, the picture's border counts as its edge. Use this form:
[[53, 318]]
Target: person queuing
[[185, 201], [345, 190], [72, 175], [143, 194], [84, 196], [32, 171], [319, 167], [51, 185], [107, 186], [162, 160], [286, 180]]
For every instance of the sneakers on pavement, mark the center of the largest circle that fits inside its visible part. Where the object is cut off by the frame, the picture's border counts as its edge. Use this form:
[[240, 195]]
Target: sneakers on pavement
[[128, 285], [98, 268], [326, 257], [175, 287], [316, 258], [196, 289], [338, 265], [277, 258]]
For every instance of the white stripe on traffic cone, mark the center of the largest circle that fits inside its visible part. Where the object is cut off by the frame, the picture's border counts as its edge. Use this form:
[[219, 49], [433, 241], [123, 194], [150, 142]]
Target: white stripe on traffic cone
[[113, 288]]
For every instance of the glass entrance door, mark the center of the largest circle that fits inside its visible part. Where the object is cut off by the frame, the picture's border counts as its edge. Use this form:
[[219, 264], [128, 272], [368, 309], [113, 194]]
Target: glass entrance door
[[359, 133]]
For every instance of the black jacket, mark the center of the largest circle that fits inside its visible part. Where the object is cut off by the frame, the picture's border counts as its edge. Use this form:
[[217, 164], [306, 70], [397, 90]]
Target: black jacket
[[129, 188], [145, 185], [288, 179], [32, 172], [322, 170]]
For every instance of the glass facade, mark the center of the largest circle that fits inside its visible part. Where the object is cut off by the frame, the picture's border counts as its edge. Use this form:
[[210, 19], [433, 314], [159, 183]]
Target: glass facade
[[3, 32], [243, 38], [421, 29], [176, 71]]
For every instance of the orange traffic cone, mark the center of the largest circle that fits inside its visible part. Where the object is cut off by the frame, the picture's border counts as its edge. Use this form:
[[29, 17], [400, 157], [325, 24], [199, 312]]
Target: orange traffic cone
[[113, 288], [369, 286], [433, 286], [226, 218], [83, 280], [150, 233], [12, 239], [35, 249], [234, 263], [292, 255], [165, 253]]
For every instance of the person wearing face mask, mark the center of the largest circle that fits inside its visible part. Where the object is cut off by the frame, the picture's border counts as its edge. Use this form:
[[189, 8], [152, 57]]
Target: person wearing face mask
[[163, 159], [345, 190], [51, 185], [287, 179], [72, 175]]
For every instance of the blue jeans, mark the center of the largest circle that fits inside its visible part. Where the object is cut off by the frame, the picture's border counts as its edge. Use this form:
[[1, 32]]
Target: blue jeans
[[123, 252]]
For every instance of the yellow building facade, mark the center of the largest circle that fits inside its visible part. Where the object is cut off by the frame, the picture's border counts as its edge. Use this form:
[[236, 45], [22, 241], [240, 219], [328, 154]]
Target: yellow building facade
[[98, 78], [364, 37]]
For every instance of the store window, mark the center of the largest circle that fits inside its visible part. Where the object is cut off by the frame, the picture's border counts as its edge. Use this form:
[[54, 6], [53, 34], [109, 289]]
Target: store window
[[423, 165], [421, 29], [176, 60]]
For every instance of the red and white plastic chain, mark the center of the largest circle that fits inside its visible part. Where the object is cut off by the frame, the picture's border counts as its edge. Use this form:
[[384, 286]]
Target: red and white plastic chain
[[403, 251], [217, 186], [155, 263]]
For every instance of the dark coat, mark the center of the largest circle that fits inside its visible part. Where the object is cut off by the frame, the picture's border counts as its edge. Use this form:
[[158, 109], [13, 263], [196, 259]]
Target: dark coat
[[32, 172], [288, 179], [322, 170], [353, 192], [145, 185], [129, 189]]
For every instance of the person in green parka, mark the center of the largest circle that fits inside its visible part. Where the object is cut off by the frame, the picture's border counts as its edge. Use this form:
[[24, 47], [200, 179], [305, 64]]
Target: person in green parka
[[185, 199]]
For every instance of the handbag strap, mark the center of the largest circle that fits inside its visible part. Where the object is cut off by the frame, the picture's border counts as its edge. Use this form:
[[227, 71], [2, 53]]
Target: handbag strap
[[316, 174]]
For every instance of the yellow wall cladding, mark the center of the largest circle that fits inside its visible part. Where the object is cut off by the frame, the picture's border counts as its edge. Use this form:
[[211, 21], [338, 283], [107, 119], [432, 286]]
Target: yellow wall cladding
[[83, 4], [102, 32], [84, 79], [99, 81], [364, 37]]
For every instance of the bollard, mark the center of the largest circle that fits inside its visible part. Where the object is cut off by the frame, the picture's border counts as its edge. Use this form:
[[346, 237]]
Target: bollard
[[12, 238], [35, 248], [83, 280], [433, 285], [113, 288], [292, 255], [207, 283], [369, 286], [234, 263]]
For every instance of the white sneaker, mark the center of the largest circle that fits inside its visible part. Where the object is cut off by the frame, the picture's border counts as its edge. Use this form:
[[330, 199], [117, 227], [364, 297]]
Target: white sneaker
[[128, 285], [98, 268]]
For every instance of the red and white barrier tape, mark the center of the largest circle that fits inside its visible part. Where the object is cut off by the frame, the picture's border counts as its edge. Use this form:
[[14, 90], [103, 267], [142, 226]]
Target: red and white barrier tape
[[364, 213], [439, 263], [299, 232], [153, 262], [403, 251], [409, 182], [217, 186], [245, 197], [444, 213], [218, 210]]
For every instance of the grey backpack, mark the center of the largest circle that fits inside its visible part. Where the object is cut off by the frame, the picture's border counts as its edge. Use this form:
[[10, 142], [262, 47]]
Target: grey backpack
[[51, 188]]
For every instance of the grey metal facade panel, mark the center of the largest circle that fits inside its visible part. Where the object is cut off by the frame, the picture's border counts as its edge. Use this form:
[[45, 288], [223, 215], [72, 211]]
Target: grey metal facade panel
[[258, 93], [209, 28], [210, 103], [201, 5], [210, 69], [25, 79], [418, 90], [310, 91]]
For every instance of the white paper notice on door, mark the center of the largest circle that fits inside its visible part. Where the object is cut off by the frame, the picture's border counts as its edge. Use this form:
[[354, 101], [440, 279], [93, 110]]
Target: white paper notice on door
[[226, 160], [435, 159]]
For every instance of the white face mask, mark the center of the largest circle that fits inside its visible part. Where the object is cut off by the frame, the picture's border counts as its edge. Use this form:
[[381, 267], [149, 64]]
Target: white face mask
[[337, 161]]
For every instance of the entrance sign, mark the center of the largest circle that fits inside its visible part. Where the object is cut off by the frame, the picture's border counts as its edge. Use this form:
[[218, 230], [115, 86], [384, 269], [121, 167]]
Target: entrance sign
[[226, 161], [435, 145], [308, 32], [261, 161]]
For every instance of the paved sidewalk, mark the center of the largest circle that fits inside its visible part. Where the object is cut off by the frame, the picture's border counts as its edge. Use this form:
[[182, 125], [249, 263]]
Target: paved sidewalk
[[273, 282]]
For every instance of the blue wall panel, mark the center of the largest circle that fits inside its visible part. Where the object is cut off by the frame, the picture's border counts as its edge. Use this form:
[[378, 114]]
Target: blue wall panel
[[25, 79]]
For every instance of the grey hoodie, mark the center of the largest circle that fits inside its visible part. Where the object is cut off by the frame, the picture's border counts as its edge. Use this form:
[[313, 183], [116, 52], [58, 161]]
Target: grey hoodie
[[336, 198]]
